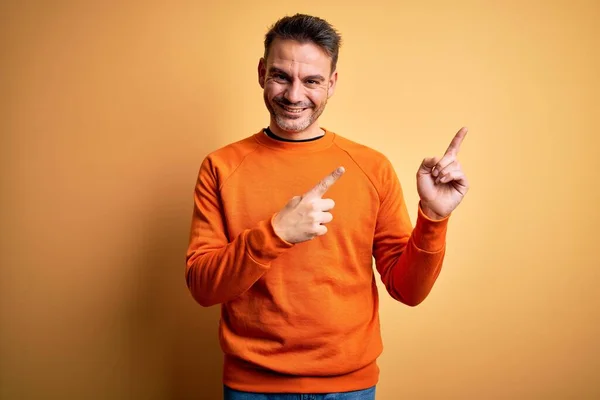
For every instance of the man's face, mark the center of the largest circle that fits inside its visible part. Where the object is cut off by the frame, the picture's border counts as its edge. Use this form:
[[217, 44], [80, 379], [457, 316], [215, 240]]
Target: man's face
[[297, 81]]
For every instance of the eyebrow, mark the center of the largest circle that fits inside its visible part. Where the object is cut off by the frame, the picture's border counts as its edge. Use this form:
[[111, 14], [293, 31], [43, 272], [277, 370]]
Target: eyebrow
[[275, 70], [314, 78]]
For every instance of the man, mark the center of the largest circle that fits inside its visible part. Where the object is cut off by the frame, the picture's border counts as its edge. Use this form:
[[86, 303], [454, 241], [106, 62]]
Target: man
[[291, 267]]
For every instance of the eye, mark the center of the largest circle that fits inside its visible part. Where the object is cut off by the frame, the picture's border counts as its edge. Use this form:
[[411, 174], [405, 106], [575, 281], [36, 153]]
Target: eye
[[280, 77], [313, 82]]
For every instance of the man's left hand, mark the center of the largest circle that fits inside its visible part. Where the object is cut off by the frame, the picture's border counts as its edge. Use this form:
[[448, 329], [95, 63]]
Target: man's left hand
[[441, 182]]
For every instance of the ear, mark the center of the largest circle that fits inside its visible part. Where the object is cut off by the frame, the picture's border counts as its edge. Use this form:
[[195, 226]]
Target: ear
[[332, 83], [262, 72]]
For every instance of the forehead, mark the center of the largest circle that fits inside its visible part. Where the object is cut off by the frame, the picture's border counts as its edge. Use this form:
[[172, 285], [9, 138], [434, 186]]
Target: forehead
[[292, 56]]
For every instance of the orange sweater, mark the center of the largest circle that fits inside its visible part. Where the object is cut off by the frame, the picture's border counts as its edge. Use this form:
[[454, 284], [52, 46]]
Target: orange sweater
[[304, 317]]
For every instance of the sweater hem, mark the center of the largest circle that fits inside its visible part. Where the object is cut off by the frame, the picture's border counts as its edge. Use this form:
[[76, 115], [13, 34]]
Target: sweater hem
[[239, 375]]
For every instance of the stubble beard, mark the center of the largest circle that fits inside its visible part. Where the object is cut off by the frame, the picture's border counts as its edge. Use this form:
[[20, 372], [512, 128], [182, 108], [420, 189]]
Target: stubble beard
[[291, 125]]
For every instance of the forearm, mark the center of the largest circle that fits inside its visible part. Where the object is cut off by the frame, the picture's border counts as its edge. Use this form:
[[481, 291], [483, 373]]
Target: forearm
[[413, 274], [217, 275]]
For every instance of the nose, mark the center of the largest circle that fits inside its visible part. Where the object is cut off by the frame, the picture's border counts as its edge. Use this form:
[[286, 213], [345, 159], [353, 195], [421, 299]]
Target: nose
[[293, 92]]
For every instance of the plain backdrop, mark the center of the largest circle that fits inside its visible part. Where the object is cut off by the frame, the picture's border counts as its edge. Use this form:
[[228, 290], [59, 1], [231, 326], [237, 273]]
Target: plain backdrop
[[108, 108]]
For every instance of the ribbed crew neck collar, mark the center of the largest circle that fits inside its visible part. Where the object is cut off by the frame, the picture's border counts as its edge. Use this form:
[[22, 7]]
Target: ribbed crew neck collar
[[314, 145]]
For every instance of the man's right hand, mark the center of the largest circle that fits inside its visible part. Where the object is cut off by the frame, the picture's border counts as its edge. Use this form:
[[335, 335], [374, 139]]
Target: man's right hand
[[303, 217]]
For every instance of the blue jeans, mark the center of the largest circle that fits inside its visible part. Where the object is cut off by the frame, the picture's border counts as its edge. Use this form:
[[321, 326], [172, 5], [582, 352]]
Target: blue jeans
[[366, 394]]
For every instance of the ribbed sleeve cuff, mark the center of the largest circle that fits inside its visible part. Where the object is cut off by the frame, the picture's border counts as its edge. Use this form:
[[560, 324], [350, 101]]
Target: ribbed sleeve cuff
[[430, 235], [263, 243]]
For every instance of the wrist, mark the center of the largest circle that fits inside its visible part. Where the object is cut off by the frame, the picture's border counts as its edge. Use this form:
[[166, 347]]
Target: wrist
[[275, 224], [429, 213]]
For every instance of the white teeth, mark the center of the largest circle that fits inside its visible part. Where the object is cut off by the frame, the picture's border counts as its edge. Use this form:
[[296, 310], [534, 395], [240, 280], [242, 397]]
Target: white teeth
[[293, 110]]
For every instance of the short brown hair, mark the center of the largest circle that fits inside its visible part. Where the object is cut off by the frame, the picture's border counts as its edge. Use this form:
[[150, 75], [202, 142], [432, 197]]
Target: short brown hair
[[305, 28]]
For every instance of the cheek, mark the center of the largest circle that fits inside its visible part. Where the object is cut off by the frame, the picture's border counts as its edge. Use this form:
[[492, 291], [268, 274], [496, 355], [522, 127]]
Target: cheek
[[273, 89], [317, 96]]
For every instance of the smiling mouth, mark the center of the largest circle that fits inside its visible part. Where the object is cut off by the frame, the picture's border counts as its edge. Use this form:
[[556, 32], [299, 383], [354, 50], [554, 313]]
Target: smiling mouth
[[292, 110]]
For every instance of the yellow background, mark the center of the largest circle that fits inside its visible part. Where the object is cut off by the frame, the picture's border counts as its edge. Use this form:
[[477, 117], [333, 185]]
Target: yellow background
[[107, 110]]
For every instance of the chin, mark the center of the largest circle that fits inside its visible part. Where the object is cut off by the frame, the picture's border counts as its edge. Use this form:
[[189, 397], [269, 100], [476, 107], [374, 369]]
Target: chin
[[292, 130], [296, 127]]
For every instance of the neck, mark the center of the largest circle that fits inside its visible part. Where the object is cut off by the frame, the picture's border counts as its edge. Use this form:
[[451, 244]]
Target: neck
[[311, 132]]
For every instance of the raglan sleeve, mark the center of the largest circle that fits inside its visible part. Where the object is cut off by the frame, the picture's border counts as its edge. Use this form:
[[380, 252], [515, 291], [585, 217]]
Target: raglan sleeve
[[408, 260], [218, 269]]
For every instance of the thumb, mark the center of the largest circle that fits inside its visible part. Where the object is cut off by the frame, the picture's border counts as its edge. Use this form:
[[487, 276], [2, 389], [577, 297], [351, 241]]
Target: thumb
[[427, 165], [294, 201]]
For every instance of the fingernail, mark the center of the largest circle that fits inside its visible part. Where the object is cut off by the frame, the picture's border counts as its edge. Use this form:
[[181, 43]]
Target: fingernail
[[435, 172]]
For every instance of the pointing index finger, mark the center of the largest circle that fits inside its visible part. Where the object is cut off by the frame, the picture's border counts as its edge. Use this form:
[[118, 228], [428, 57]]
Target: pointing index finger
[[322, 187], [456, 141]]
